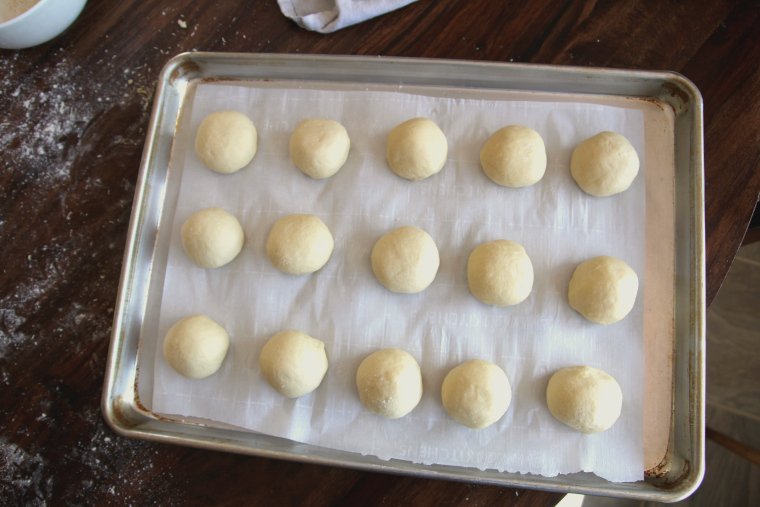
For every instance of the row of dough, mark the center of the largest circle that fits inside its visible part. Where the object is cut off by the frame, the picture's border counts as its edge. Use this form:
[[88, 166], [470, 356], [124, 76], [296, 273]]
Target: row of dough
[[406, 260], [476, 393], [514, 156]]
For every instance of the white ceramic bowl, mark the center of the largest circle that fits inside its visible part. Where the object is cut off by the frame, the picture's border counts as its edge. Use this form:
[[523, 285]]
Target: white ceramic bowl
[[44, 21]]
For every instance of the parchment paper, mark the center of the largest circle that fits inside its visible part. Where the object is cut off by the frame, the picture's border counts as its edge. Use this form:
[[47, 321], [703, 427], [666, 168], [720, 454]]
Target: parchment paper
[[346, 307]]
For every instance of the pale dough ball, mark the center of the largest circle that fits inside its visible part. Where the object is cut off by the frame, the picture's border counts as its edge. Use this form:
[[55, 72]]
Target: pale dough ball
[[603, 289], [405, 260], [212, 237], [605, 164], [476, 393], [416, 149], [389, 383], [586, 399], [293, 363], [299, 244], [226, 141], [500, 273], [319, 147], [196, 346], [514, 156]]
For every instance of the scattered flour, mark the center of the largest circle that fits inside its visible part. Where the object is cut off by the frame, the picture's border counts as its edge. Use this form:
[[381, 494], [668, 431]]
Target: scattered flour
[[22, 476], [47, 110], [51, 115], [28, 474], [52, 110], [56, 117], [10, 334]]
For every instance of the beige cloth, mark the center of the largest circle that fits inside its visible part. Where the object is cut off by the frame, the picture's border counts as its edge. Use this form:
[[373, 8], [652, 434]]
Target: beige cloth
[[327, 16]]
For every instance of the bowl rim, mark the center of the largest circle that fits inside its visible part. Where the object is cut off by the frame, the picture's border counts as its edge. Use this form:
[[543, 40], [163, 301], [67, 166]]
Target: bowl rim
[[31, 10]]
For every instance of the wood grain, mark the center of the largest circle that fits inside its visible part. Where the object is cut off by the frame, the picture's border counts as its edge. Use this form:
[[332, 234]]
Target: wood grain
[[73, 119]]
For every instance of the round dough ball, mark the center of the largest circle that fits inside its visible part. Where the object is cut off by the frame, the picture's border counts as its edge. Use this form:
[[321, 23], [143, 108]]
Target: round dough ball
[[299, 244], [603, 289], [586, 399], [605, 164], [226, 141], [476, 393], [514, 156], [212, 237], [196, 346], [293, 363], [319, 147], [389, 383], [405, 260], [416, 149], [500, 273]]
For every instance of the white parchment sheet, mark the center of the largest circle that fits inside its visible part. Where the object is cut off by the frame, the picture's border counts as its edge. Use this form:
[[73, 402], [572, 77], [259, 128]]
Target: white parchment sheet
[[345, 306]]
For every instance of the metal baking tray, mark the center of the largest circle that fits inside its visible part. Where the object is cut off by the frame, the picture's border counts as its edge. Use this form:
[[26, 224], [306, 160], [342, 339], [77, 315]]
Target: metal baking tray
[[679, 471]]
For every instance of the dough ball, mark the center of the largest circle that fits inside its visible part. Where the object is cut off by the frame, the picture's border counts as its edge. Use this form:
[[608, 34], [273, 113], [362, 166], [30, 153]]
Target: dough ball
[[416, 149], [299, 244], [476, 393], [319, 147], [405, 260], [389, 383], [605, 164], [212, 237], [586, 399], [293, 363], [226, 141], [500, 273], [603, 289], [196, 346], [514, 156]]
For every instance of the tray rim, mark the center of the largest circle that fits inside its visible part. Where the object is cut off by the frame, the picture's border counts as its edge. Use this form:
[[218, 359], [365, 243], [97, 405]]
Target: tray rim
[[126, 416]]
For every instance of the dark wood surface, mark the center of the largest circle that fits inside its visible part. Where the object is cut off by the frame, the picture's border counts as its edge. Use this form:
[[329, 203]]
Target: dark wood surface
[[73, 118]]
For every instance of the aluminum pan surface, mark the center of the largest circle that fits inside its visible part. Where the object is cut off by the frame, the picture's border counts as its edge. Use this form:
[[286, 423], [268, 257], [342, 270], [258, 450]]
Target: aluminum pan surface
[[122, 408]]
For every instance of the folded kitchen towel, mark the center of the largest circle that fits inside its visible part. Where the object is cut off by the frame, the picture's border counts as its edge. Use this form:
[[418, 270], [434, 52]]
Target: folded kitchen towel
[[327, 16]]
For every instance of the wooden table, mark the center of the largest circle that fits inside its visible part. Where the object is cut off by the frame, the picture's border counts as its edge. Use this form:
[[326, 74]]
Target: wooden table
[[73, 120]]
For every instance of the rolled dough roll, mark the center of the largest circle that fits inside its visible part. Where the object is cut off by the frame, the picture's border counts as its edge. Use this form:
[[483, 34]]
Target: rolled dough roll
[[319, 147], [587, 399], [299, 244], [514, 156], [293, 363], [389, 383], [416, 149], [196, 346], [605, 164], [476, 393], [405, 260], [500, 273], [212, 237], [603, 289], [226, 141]]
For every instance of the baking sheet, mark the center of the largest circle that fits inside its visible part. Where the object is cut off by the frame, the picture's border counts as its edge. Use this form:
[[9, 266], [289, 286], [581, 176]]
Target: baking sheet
[[343, 305]]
